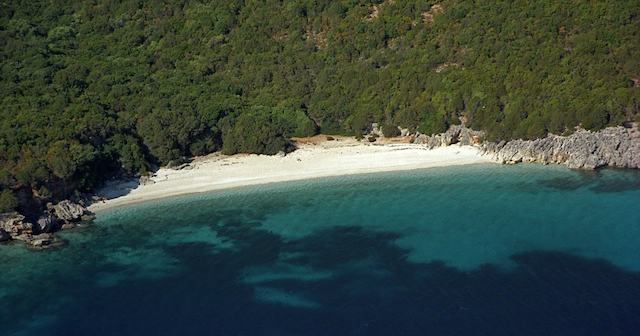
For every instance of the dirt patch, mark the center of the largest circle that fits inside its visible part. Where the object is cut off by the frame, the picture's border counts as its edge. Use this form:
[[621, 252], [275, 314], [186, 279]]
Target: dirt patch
[[433, 11]]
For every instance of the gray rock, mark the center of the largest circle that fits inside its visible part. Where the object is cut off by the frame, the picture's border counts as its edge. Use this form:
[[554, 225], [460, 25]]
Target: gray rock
[[376, 130], [456, 134], [146, 180], [25, 237], [15, 225], [87, 217], [613, 147], [47, 223], [68, 226], [43, 241], [281, 154], [68, 211], [186, 166]]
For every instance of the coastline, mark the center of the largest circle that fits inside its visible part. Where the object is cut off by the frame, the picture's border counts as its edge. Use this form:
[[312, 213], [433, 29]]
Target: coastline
[[315, 158]]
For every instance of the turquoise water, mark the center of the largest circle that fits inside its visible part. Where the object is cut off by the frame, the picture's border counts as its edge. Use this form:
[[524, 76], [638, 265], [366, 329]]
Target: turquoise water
[[471, 250]]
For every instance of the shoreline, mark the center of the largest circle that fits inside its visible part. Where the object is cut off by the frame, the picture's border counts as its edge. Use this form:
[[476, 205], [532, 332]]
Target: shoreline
[[315, 158]]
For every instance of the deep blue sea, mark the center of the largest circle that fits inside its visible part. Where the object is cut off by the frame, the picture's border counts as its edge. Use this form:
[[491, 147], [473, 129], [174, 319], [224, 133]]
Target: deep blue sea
[[473, 250]]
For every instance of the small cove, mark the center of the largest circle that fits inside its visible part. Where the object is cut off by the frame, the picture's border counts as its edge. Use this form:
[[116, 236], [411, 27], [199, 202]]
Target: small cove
[[466, 250]]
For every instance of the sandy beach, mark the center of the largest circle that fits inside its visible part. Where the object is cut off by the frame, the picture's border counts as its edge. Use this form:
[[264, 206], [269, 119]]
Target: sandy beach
[[314, 158]]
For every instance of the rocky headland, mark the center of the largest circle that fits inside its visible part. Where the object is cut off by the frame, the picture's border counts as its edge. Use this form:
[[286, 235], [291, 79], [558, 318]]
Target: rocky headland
[[37, 233], [611, 147]]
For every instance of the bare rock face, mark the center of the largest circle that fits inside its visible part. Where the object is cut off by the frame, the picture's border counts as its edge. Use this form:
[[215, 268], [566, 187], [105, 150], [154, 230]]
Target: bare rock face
[[15, 226], [456, 134], [68, 211], [613, 147], [47, 223]]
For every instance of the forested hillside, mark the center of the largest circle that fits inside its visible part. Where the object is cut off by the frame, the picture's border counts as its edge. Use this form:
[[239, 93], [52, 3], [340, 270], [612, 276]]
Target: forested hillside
[[90, 88]]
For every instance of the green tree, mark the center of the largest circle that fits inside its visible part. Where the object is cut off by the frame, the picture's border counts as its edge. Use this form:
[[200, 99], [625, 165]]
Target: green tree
[[8, 201]]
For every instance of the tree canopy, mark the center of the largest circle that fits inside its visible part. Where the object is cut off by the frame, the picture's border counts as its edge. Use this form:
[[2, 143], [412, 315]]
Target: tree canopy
[[90, 88]]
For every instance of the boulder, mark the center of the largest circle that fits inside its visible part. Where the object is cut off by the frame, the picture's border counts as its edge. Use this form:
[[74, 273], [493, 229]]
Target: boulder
[[146, 180], [68, 211], [68, 226], [88, 217], [43, 241]]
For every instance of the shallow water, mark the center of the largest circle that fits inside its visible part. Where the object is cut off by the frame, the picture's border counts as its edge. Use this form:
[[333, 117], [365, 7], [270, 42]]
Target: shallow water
[[473, 250]]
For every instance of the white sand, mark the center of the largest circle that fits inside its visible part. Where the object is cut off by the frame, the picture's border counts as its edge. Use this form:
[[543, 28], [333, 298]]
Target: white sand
[[312, 160]]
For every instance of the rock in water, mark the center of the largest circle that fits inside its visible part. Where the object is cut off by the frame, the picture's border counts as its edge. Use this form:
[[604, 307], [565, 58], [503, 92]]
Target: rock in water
[[68, 211], [87, 217], [43, 241]]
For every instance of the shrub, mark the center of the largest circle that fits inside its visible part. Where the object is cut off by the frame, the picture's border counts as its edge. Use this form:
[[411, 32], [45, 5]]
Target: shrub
[[390, 131], [8, 201]]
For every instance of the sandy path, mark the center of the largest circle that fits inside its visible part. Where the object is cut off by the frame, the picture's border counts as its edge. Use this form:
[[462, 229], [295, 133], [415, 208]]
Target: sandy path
[[311, 160]]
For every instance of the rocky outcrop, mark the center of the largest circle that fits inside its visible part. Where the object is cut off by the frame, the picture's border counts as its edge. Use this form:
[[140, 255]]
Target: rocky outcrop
[[43, 241], [15, 225], [47, 223], [68, 211], [613, 147], [456, 134]]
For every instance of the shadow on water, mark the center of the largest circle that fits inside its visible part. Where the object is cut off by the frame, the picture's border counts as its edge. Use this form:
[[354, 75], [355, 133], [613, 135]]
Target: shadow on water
[[599, 181], [350, 281], [575, 181], [629, 181]]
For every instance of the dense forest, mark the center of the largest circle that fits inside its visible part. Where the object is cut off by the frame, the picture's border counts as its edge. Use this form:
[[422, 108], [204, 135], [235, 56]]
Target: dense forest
[[93, 88]]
